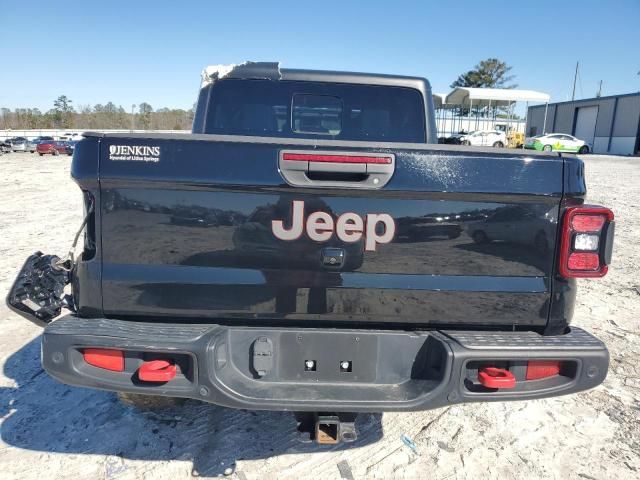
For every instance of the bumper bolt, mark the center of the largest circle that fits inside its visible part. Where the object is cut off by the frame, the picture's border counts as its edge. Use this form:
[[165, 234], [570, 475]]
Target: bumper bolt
[[57, 357], [204, 391]]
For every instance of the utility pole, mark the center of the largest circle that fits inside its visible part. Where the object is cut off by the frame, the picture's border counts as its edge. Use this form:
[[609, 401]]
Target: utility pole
[[599, 90], [575, 77]]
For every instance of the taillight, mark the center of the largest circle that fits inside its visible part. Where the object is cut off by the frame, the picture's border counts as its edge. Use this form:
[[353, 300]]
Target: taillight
[[587, 237]]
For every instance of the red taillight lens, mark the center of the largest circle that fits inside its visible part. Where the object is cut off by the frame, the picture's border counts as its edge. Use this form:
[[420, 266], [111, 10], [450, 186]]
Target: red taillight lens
[[587, 223], [537, 369], [104, 358], [583, 261], [584, 241]]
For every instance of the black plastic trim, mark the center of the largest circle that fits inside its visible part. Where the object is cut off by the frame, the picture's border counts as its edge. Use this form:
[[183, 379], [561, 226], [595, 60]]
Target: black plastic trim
[[392, 370]]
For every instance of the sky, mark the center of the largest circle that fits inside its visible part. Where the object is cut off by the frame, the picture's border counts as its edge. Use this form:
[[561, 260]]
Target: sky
[[130, 52]]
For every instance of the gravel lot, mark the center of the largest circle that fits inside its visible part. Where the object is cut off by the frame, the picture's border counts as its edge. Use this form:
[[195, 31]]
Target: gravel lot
[[55, 431]]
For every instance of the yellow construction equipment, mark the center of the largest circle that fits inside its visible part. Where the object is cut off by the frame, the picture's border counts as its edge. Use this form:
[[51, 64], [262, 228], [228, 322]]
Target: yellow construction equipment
[[515, 139]]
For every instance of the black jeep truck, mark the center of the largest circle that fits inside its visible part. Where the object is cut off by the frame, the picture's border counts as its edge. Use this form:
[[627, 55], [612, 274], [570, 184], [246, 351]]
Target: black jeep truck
[[310, 248]]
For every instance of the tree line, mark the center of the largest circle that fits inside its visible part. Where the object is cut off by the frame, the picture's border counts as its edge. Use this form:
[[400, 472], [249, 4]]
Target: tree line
[[108, 116]]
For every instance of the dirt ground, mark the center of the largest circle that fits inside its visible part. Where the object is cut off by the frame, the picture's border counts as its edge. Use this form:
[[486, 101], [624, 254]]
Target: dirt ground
[[50, 430]]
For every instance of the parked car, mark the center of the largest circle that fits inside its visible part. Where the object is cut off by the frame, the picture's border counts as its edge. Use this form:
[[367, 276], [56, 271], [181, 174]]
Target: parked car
[[345, 285], [71, 145], [71, 137], [484, 138], [41, 139], [453, 139], [52, 147], [22, 144], [5, 146], [558, 142]]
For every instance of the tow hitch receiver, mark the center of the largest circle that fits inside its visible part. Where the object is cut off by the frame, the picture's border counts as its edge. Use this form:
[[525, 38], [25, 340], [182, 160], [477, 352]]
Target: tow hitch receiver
[[327, 428], [492, 377]]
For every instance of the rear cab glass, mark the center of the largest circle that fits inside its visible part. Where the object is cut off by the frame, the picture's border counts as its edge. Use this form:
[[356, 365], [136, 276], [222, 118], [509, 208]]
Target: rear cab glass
[[316, 110], [318, 114]]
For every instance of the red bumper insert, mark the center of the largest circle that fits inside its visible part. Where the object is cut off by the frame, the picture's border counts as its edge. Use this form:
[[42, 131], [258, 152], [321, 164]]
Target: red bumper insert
[[492, 377], [157, 371], [105, 358]]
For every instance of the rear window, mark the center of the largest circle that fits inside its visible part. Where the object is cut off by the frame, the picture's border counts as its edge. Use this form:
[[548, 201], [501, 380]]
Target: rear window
[[316, 110], [319, 114]]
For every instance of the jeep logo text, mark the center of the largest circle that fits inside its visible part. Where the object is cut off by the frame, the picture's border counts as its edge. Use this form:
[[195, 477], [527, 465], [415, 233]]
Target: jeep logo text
[[349, 227]]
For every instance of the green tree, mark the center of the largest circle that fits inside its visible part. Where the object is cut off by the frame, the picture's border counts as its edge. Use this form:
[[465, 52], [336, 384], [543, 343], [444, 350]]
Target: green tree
[[6, 114], [63, 104], [27, 117], [489, 73], [145, 115], [62, 112]]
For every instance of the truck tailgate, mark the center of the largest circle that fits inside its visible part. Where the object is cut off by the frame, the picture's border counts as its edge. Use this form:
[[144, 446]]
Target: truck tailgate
[[189, 233]]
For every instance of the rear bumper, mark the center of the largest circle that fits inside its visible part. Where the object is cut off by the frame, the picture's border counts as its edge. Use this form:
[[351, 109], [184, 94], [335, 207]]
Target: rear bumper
[[264, 368]]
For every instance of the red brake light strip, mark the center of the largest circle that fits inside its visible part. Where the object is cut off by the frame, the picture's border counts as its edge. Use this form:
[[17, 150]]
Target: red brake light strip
[[312, 157]]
